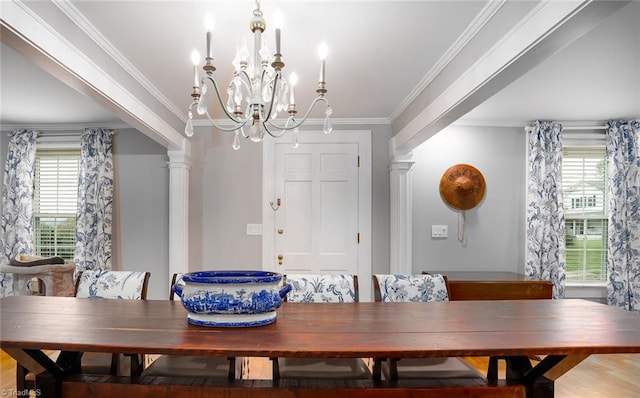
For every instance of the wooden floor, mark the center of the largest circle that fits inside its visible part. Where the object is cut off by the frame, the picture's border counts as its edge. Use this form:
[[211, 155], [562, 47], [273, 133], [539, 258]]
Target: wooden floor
[[599, 376]]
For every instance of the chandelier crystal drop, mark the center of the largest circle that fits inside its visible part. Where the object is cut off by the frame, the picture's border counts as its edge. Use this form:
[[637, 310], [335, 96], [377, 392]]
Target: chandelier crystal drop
[[258, 92]]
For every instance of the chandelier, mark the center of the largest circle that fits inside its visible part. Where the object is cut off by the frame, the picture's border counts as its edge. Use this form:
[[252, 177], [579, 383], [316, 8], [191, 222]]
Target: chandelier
[[257, 93]]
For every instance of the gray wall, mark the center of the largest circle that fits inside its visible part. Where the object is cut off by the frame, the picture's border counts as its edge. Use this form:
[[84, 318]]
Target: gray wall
[[495, 229], [141, 207], [226, 192], [226, 195]]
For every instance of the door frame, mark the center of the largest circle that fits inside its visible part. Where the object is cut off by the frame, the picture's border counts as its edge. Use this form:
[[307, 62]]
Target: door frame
[[363, 139]]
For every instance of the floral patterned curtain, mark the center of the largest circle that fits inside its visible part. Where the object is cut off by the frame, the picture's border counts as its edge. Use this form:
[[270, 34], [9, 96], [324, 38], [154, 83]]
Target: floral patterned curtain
[[95, 201], [623, 260], [545, 215], [16, 233]]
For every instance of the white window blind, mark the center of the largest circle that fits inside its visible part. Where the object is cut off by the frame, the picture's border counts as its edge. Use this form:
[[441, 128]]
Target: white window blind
[[55, 202], [585, 202]]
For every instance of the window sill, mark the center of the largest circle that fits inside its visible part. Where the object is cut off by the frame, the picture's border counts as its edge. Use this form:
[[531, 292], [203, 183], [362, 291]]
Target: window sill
[[590, 291]]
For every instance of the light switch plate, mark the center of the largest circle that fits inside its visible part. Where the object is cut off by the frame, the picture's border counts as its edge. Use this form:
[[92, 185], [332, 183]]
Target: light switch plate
[[439, 231], [254, 229]]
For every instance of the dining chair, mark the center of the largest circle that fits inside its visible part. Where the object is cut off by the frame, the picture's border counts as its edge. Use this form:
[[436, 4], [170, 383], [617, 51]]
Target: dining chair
[[107, 284], [194, 366], [104, 284], [321, 289], [418, 288]]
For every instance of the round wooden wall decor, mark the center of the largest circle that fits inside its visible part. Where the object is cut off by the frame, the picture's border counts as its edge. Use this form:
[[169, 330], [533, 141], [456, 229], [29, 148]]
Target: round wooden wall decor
[[462, 186]]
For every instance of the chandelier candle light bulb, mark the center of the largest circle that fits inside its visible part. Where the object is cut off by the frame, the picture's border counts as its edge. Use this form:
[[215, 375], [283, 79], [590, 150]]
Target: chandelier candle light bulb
[[322, 51], [257, 91], [209, 24], [195, 59], [277, 22], [293, 80]]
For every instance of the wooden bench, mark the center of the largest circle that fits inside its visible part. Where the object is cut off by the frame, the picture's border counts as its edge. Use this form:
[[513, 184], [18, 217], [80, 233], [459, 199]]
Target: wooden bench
[[81, 386]]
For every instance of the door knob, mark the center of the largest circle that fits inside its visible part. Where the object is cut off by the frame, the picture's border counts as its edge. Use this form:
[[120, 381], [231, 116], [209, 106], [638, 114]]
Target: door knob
[[280, 257], [280, 231]]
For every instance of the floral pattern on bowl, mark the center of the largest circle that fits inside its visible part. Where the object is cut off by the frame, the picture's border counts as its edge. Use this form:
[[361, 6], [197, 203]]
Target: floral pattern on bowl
[[231, 298]]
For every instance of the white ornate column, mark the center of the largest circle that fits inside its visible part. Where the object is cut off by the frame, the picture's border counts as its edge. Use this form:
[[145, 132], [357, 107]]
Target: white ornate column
[[179, 167], [401, 214]]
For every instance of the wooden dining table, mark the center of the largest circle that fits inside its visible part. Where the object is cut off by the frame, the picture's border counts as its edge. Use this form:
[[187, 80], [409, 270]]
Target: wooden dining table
[[564, 332]]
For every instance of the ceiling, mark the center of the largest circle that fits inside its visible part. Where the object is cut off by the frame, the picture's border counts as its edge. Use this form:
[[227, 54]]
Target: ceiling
[[379, 51]]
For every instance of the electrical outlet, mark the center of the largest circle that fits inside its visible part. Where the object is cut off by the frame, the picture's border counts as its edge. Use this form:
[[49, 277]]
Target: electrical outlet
[[439, 231], [254, 229]]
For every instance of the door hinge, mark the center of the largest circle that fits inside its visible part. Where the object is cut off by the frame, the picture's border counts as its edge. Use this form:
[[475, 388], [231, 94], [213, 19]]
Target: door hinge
[[358, 161], [358, 237]]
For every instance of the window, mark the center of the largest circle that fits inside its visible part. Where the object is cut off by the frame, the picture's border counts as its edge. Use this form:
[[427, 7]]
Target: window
[[55, 202], [586, 213]]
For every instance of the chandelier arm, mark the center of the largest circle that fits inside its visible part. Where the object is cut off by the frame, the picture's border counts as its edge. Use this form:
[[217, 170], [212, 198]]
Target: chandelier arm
[[306, 115], [246, 81], [266, 128], [229, 129], [239, 123], [221, 102]]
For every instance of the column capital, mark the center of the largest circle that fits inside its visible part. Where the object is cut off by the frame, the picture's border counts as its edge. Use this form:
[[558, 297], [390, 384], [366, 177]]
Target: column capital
[[400, 166], [179, 159], [401, 158]]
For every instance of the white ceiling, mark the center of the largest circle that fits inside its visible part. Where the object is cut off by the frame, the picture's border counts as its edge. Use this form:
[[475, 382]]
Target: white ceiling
[[378, 52]]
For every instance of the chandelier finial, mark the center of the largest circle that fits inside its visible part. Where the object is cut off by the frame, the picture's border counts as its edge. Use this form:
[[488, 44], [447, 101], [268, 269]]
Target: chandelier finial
[[257, 22]]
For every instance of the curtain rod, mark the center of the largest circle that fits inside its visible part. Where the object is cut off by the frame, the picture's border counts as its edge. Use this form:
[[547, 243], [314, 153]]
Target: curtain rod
[[42, 134], [59, 133], [569, 127], [576, 127]]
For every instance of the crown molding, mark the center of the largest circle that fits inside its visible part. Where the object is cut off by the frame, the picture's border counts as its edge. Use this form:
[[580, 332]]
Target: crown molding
[[308, 122], [65, 126], [196, 123], [94, 34], [485, 15], [491, 123], [566, 124]]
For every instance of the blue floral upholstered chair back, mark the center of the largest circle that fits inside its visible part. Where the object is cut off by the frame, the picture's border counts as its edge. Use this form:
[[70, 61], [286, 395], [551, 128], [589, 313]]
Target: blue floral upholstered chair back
[[425, 288], [418, 288], [322, 288], [125, 285], [130, 285]]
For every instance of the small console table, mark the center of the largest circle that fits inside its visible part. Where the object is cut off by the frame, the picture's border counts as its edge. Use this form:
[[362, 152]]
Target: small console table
[[56, 278]]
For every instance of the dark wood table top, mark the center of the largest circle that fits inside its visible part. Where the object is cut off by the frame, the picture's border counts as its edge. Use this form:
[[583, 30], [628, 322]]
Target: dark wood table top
[[464, 328]]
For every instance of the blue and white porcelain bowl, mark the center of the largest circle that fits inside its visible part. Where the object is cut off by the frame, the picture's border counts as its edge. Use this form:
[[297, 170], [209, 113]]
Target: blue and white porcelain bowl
[[231, 298]]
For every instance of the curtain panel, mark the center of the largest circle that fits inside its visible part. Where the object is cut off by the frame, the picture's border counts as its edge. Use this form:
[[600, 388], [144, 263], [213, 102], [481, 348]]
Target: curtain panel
[[95, 201], [16, 233], [545, 251], [623, 260]]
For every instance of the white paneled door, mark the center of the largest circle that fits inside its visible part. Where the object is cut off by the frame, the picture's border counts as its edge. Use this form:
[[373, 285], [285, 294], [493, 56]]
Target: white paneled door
[[317, 222], [323, 222]]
